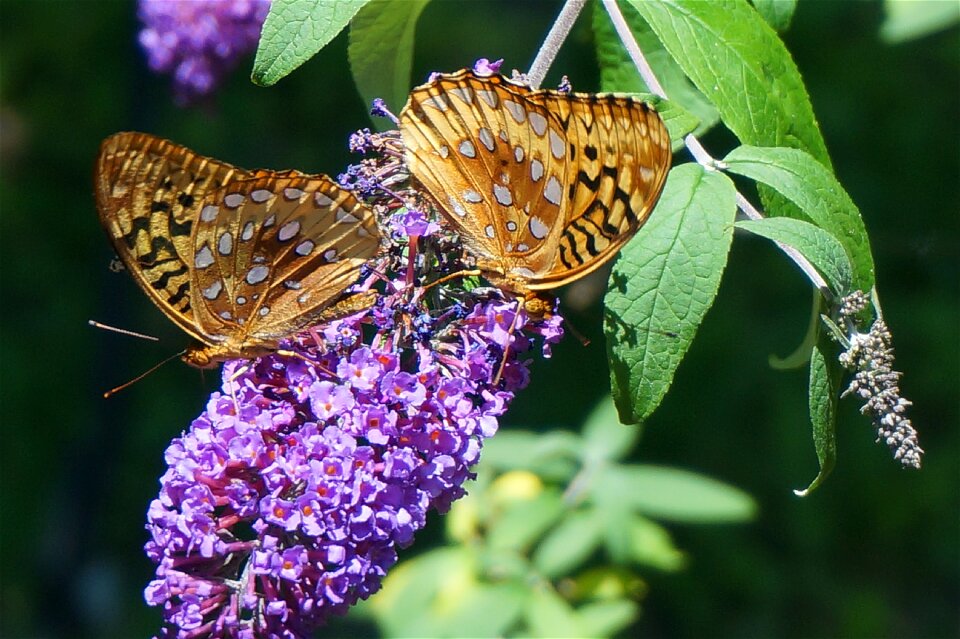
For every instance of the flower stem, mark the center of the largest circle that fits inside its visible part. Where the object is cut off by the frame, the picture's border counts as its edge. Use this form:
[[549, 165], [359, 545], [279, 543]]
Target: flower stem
[[551, 45]]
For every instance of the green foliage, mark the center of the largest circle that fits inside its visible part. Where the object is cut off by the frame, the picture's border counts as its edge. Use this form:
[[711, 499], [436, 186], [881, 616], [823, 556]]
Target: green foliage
[[741, 66], [674, 495], [663, 284], [526, 563], [777, 13], [295, 30], [814, 189], [911, 19], [381, 51], [824, 389], [687, 111]]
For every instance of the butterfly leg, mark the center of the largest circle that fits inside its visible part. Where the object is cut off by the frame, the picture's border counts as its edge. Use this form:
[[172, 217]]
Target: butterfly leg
[[318, 365], [452, 276], [509, 340], [230, 384]]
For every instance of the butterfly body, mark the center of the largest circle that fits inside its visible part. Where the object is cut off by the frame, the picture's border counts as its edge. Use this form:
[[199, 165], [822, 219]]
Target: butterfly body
[[543, 186], [238, 259]]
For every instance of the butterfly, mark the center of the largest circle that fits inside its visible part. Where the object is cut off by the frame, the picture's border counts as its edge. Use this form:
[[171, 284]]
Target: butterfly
[[238, 259], [544, 187]]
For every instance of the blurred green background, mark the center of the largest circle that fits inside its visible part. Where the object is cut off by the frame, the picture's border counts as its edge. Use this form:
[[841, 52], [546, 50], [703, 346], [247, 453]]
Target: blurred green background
[[874, 553]]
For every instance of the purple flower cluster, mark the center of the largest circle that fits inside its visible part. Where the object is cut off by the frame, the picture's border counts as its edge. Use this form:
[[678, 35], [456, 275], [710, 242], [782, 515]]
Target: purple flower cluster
[[287, 498], [199, 41]]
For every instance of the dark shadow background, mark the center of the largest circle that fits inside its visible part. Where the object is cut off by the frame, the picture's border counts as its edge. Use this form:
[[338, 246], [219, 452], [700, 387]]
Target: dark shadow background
[[874, 553]]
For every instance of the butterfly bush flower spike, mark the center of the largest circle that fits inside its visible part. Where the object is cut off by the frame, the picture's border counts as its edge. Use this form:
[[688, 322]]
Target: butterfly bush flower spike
[[199, 42], [870, 357], [286, 500]]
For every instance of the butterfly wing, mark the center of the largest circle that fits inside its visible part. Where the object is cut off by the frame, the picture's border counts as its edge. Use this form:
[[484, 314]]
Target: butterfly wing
[[149, 192], [483, 152], [234, 257], [544, 186], [618, 159], [270, 253]]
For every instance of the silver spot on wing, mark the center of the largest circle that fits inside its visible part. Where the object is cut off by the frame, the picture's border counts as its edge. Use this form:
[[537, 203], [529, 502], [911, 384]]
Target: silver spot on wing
[[213, 291], [233, 200], [552, 192], [288, 230], [203, 257], [257, 274], [261, 195], [225, 243]]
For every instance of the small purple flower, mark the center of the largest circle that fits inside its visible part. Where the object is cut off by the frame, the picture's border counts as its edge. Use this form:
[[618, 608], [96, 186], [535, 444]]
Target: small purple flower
[[199, 41], [484, 67], [329, 400], [379, 109], [361, 141], [413, 223]]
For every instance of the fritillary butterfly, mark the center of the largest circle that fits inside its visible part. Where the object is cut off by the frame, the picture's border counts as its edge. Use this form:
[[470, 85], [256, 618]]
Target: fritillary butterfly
[[238, 259], [543, 186]]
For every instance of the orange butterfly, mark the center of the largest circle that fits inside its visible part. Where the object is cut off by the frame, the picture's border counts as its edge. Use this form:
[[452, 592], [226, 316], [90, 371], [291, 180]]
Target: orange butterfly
[[543, 186], [238, 259]]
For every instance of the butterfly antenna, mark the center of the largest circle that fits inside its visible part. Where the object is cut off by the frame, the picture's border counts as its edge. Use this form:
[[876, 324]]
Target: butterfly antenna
[[114, 391], [506, 348], [122, 331]]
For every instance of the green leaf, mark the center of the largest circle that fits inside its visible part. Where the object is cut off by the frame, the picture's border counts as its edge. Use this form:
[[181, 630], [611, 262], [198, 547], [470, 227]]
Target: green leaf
[[488, 610], [652, 545], [604, 437], [663, 284], [820, 247], [676, 495], [824, 391], [549, 615], [523, 522], [740, 64], [440, 592], [294, 31], [801, 179], [911, 19], [617, 538], [553, 455], [686, 111], [606, 582], [777, 13], [608, 618], [381, 52], [569, 544]]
